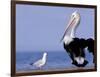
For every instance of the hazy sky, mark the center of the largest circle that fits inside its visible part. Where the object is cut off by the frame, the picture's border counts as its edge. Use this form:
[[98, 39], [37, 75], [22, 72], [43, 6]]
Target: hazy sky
[[40, 28]]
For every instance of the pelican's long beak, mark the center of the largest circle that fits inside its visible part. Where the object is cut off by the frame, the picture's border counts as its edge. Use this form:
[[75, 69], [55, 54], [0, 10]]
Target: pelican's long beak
[[72, 24]]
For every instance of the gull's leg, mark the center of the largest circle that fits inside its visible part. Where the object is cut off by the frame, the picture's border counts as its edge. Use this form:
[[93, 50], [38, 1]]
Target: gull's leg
[[40, 68]]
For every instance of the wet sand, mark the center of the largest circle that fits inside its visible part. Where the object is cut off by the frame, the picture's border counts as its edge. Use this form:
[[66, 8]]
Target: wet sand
[[58, 69]]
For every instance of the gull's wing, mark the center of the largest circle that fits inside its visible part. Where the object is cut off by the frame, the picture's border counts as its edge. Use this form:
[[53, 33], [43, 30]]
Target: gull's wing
[[38, 62]]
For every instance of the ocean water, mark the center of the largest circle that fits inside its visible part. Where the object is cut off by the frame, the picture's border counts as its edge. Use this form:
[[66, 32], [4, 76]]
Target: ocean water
[[55, 60]]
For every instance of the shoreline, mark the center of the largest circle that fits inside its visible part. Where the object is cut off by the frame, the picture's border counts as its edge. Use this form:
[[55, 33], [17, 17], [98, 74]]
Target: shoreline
[[57, 69]]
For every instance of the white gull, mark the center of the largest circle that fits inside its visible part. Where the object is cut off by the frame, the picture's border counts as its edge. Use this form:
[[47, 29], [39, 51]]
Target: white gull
[[41, 62]]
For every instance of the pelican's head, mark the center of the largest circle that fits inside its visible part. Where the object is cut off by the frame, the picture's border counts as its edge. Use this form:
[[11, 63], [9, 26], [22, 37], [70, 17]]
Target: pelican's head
[[74, 19], [73, 23]]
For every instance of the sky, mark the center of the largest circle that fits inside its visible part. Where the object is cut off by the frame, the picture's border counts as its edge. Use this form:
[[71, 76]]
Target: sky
[[40, 28]]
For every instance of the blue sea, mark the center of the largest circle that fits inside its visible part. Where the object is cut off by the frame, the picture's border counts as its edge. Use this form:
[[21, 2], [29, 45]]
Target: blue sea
[[55, 60]]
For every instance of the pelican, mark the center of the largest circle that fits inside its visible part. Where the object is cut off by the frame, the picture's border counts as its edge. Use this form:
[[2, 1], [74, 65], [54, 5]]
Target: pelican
[[41, 62], [75, 46]]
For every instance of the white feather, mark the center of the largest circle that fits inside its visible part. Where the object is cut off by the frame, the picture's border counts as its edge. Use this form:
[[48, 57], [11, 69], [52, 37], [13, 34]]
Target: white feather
[[80, 60], [67, 40]]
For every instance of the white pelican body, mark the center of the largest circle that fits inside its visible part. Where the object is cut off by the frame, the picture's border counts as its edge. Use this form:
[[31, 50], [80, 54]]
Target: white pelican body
[[40, 62]]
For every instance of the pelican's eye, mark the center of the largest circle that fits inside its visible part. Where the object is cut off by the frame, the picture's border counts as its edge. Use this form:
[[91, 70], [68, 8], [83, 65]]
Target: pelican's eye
[[73, 16]]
